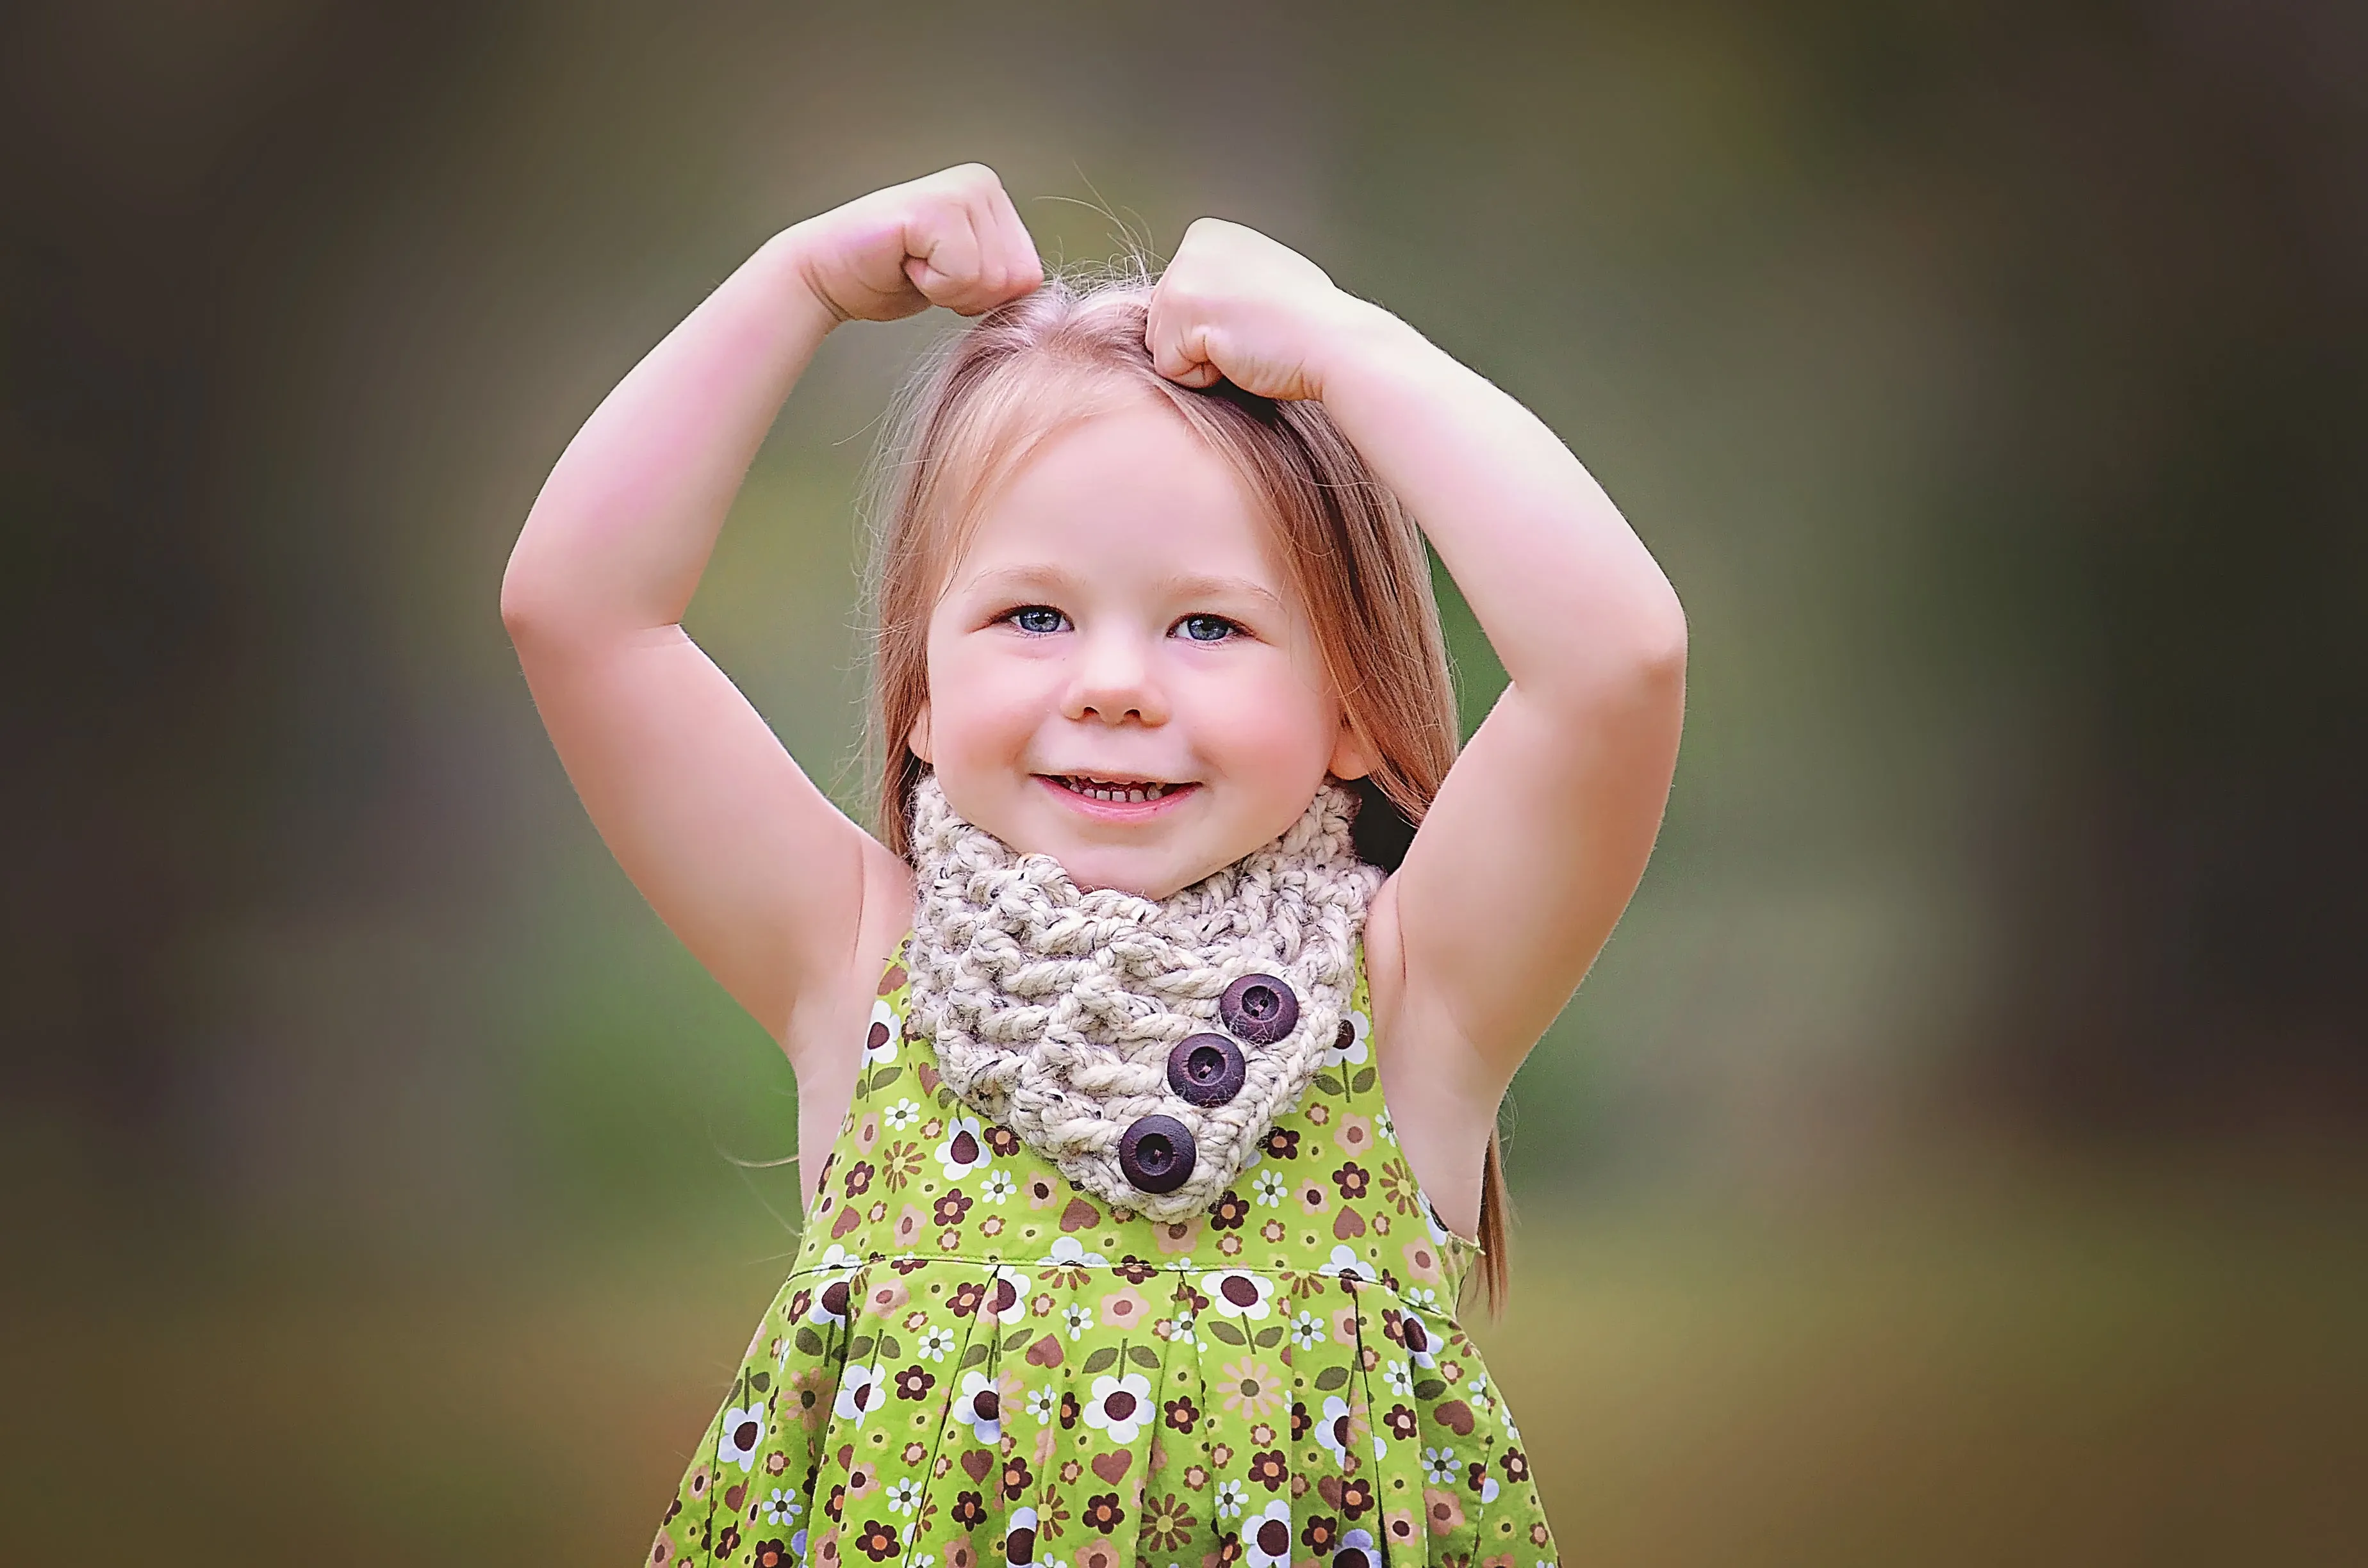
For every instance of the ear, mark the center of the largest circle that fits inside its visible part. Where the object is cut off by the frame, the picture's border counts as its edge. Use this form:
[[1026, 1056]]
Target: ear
[[917, 739], [1351, 758]]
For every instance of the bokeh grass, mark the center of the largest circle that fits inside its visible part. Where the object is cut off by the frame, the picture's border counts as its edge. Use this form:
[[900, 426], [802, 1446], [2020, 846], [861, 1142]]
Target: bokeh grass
[[2092, 1369]]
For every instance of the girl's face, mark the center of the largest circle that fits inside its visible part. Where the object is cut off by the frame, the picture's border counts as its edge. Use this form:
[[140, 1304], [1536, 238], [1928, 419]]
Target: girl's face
[[1120, 675]]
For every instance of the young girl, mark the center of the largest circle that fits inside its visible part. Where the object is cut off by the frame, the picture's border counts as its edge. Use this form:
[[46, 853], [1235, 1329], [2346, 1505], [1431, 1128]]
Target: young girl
[[1148, 1059]]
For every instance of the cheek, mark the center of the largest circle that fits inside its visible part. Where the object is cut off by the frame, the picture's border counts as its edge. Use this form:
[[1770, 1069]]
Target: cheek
[[1274, 726], [982, 711]]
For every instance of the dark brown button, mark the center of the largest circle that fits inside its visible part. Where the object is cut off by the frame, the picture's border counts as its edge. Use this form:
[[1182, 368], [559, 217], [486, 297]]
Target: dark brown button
[[1155, 1154], [1259, 1008], [1207, 1069]]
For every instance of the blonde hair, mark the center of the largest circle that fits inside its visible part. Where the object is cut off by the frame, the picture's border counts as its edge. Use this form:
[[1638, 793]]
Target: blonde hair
[[1073, 348]]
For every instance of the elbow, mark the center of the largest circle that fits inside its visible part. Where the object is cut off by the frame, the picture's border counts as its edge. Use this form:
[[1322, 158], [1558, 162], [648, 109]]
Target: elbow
[[521, 609], [531, 608], [1659, 649]]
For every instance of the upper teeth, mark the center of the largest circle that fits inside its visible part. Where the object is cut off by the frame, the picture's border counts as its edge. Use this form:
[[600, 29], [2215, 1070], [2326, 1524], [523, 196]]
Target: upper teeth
[[1101, 792]]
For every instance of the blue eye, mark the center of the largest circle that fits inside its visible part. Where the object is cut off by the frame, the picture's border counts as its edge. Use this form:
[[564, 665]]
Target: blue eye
[[1206, 628], [1038, 620]]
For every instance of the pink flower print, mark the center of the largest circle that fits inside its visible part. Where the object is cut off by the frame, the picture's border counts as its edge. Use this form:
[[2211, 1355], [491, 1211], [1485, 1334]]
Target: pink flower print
[[1123, 1308]]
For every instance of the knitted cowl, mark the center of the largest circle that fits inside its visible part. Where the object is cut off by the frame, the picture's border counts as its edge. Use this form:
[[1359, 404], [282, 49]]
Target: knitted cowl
[[1054, 1010]]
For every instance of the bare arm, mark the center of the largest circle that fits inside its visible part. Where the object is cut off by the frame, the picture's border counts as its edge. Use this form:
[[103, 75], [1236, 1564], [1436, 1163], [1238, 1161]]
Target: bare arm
[[762, 878], [1542, 829]]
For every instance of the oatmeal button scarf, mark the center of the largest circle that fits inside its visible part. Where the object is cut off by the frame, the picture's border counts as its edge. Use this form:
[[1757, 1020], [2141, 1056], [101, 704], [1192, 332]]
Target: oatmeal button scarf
[[1144, 1047]]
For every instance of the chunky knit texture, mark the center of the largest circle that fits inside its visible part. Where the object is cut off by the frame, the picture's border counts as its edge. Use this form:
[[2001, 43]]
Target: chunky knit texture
[[1053, 1010]]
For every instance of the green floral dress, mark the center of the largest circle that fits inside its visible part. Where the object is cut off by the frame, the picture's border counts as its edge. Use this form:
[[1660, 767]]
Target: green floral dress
[[975, 1364]]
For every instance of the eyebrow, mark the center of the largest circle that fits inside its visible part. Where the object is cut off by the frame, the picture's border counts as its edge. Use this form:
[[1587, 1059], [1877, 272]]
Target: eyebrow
[[1187, 586]]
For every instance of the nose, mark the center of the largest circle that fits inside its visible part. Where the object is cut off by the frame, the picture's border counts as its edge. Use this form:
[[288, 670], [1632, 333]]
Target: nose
[[1115, 680]]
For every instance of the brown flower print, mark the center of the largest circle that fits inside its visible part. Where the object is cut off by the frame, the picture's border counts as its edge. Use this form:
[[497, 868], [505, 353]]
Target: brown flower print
[[1167, 1523]]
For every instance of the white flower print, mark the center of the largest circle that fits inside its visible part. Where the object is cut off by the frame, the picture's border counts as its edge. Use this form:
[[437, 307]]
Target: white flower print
[[1430, 1220], [1345, 1261], [1439, 1466], [963, 1150], [1266, 1536], [1016, 1307], [997, 1188], [1420, 1296], [742, 1431], [859, 1394], [1328, 1427], [1238, 1293], [1307, 1331], [1119, 1407], [979, 1406], [1181, 1334], [936, 1342], [1068, 1253], [1396, 1378], [1383, 1128], [1355, 1029], [879, 1042], [904, 1496], [1077, 1317], [1044, 1404], [782, 1506], [1229, 1499], [1360, 1542], [1021, 1520], [901, 1115], [1421, 1343], [1269, 1189]]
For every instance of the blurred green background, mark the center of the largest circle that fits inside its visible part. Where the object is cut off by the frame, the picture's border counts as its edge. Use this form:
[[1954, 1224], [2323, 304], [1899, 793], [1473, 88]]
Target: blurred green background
[[1957, 1155]]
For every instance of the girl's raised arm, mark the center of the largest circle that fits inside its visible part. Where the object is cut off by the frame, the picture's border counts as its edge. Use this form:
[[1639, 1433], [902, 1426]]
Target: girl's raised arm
[[763, 879], [1542, 830]]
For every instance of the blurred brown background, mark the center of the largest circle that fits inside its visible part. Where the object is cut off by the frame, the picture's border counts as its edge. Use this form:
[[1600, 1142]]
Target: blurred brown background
[[1957, 1156]]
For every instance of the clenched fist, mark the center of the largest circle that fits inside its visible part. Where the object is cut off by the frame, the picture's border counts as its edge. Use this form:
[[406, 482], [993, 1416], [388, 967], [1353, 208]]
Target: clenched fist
[[951, 238], [1236, 304]]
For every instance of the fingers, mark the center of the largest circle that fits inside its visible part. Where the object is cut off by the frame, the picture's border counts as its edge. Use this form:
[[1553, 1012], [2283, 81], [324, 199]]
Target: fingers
[[1023, 269], [966, 248], [1179, 352], [941, 255], [1176, 330]]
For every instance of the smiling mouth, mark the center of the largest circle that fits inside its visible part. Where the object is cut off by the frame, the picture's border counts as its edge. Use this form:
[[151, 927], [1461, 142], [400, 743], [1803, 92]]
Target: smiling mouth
[[1116, 791]]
